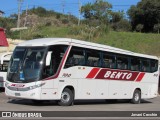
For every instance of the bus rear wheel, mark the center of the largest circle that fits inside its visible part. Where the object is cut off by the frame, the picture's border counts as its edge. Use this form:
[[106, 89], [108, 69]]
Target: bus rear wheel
[[66, 98], [136, 97]]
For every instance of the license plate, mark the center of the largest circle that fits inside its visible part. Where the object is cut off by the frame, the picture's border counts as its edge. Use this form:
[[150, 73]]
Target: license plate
[[17, 94]]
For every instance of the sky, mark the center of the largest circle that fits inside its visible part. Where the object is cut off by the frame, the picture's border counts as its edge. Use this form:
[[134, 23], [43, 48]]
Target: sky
[[63, 6]]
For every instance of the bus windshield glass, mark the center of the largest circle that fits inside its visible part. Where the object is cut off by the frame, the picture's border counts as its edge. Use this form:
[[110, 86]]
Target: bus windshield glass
[[26, 64]]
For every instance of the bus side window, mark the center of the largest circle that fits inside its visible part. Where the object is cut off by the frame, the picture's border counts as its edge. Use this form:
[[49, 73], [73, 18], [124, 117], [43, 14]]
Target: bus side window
[[4, 66], [93, 58], [154, 65], [108, 61], [145, 66], [122, 63], [135, 64], [56, 55], [76, 57]]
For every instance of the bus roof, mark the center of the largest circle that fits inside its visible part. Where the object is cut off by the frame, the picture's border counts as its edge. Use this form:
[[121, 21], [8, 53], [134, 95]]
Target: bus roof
[[80, 43]]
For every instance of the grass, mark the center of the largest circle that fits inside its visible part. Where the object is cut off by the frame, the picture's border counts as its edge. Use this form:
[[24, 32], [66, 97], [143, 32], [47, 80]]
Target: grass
[[136, 42]]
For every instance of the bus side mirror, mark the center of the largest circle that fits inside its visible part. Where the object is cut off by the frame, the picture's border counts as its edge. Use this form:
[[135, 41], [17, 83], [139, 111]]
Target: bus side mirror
[[48, 58]]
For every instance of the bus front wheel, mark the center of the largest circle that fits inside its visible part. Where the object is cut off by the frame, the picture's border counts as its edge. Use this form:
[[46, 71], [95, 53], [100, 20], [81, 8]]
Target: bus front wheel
[[66, 98], [136, 97]]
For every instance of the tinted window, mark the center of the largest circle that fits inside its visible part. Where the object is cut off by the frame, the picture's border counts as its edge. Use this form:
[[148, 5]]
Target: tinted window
[[76, 57], [135, 64], [93, 58], [4, 66], [56, 54], [122, 63], [154, 65], [108, 61], [145, 66]]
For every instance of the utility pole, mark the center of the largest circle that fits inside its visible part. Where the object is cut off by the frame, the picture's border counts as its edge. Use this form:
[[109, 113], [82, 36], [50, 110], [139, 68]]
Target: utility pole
[[69, 14], [19, 12], [79, 19], [63, 5], [25, 22]]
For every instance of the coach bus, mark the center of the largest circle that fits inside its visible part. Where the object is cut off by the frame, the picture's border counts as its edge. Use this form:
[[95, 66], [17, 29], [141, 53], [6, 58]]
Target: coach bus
[[65, 70], [4, 61]]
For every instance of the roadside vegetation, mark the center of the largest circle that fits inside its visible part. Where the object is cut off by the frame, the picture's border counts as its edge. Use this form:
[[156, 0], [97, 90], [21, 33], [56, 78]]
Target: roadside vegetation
[[139, 33]]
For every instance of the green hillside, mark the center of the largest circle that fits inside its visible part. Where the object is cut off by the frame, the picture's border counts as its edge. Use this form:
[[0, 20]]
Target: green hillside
[[42, 23], [137, 42], [133, 41]]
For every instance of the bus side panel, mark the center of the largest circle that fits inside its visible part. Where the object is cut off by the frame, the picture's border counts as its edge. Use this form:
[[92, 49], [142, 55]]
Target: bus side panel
[[120, 89], [48, 91], [102, 89], [87, 88], [148, 85], [151, 80]]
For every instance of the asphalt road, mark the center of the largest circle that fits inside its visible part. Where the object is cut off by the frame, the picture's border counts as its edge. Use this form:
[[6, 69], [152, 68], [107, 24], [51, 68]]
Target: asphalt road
[[7, 104]]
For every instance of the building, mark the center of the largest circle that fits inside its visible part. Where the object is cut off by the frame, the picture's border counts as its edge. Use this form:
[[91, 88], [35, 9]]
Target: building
[[3, 39], [1, 13]]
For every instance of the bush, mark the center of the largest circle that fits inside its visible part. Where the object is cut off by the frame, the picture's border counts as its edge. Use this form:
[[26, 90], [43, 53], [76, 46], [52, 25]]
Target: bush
[[122, 25], [157, 28], [58, 16], [139, 27], [48, 24], [37, 35], [89, 32], [65, 21]]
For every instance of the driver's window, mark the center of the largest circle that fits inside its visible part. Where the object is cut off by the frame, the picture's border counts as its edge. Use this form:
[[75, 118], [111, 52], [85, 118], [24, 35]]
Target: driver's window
[[53, 60]]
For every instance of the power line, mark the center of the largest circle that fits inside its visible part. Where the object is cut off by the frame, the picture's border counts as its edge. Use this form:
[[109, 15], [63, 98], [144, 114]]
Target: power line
[[72, 7]]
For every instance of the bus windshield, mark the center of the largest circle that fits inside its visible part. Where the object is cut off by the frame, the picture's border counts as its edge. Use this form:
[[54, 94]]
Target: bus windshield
[[26, 64]]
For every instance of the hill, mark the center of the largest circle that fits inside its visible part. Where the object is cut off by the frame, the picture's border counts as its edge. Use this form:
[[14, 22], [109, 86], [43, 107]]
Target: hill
[[42, 23], [147, 43]]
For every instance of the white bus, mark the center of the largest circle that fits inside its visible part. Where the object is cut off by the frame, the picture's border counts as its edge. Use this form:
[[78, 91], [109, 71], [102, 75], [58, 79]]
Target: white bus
[[4, 61], [65, 70]]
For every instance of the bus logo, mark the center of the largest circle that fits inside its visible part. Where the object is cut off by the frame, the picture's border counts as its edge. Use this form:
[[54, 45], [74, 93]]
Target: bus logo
[[109, 74]]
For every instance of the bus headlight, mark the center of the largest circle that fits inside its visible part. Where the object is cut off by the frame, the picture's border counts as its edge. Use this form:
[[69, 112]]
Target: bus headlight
[[36, 86], [32, 87]]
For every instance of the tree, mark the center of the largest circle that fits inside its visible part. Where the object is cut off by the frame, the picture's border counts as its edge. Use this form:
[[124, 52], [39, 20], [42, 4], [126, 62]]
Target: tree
[[97, 12], [122, 25], [146, 12], [139, 27], [157, 28], [116, 16]]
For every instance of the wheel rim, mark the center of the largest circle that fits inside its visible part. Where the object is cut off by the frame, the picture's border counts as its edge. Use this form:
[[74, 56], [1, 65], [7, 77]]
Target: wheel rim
[[136, 97], [65, 97]]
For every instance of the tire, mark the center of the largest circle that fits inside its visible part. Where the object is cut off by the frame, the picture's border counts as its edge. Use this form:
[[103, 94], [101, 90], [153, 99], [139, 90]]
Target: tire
[[66, 98], [136, 97]]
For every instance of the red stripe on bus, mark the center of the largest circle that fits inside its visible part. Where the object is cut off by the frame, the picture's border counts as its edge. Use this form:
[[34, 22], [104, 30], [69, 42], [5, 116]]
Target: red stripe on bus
[[111, 74], [92, 73], [139, 78]]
